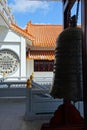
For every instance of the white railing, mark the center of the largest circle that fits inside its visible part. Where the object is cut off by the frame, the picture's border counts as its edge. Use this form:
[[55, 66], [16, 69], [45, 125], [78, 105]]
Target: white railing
[[16, 86], [39, 80], [43, 80]]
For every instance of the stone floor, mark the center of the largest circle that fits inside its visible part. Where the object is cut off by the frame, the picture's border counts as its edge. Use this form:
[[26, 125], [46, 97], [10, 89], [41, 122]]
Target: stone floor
[[12, 117]]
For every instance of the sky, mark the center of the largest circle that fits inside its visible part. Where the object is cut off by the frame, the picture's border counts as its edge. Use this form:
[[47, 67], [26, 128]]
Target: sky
[[39, 12]]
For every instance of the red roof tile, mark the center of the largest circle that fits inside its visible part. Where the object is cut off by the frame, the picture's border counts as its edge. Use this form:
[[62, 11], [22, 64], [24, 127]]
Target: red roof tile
[[45, 35]]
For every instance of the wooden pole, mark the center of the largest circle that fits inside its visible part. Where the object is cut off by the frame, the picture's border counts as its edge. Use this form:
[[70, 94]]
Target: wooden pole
[[67, 6], [84, 49]]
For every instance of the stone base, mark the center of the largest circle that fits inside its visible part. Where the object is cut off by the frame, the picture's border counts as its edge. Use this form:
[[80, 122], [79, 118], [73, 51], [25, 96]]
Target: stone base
[[48, 127], [66, 117]]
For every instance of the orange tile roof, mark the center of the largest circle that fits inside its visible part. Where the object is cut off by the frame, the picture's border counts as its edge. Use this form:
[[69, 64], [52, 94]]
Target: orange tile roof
[[21, 31], [45, 34], [41, 55], [42, 36]]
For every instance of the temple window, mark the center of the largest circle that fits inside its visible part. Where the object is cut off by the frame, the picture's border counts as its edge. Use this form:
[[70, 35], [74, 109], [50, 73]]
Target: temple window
[[43, 65]]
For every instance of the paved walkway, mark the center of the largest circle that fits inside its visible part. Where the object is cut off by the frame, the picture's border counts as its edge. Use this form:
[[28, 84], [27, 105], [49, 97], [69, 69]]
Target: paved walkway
[[12, 117]]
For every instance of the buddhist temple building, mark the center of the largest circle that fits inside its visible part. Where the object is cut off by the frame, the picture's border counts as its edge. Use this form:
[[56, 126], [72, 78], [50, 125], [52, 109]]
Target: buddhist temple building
[[27, 50], [40, 42], [31, 50]]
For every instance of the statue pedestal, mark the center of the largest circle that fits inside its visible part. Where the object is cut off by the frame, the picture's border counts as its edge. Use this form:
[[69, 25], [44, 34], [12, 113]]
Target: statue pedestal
[[47, 127], [66, 117]]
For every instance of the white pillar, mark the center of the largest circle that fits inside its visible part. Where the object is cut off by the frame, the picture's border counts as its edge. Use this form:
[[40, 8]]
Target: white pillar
[[23, 58], [30, 67]]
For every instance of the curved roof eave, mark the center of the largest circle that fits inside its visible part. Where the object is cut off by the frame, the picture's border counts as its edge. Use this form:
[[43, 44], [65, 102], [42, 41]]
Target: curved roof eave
[[21, 32]]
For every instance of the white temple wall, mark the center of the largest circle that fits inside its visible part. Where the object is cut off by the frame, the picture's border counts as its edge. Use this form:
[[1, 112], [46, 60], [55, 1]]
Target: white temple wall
[[30, 67], [15, 42], [38, 75], [43, 74]]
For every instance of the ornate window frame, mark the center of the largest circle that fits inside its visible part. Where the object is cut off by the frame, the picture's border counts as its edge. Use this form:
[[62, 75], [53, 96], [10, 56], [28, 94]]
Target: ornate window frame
[[9, 62]]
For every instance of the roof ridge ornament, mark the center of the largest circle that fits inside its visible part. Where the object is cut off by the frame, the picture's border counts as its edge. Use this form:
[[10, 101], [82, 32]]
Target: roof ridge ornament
[[29, 23]]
